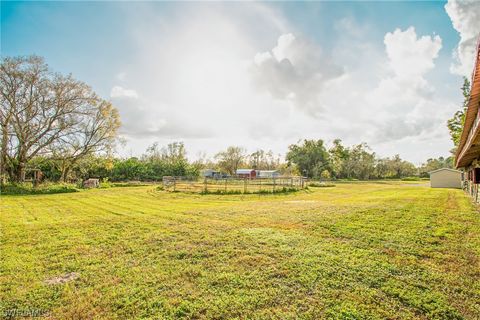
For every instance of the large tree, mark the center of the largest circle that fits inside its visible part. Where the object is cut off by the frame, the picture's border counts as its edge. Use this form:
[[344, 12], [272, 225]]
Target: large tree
[[455, 124], [43, 112], [360, 163], [338, 157], [230, 159], [310, 156]]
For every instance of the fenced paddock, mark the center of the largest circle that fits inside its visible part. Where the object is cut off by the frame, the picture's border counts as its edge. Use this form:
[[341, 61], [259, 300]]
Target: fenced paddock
[[233, 185]]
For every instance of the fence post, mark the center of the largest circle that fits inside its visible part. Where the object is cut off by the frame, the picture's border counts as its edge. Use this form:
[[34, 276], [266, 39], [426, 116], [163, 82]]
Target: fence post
[[476, 193], [274, 185], [225, 185], [245, 185], [174, 184], [205, 185]]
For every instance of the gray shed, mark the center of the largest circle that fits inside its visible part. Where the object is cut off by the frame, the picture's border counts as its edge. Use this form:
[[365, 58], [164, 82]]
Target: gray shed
[[445, 178]]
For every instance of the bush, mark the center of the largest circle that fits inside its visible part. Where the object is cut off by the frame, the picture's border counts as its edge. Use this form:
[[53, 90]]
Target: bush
[[44, 188], [411, 179], [105, 184], [318, 184]]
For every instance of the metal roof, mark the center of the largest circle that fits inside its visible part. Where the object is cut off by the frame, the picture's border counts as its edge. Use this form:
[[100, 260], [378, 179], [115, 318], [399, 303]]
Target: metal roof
[[244, 170], [443, 169], [468, 148]]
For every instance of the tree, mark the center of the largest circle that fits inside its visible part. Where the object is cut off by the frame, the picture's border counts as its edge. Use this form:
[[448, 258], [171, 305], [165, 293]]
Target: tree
[[455, 124], [325, 175], [230, 159], [263, 160], [401, 168], [310, 157], [95, 132], [434, 164], [360, 163], [168, 161], [47, 113], [338, 158]]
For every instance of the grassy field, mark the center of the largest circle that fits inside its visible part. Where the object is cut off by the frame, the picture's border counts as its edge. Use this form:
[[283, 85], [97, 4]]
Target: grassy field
[[354, 251]]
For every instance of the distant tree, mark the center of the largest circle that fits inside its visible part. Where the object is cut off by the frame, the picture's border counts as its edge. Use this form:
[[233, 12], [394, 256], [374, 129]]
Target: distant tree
[[263, 160], [338, 158], [310, 157], [43, 113], [325, 175], [455, 124], [400, 167], [434, 164], [129, 169], [394, 167], [167, 161], [360, 163], [383, 169], [230, 159]]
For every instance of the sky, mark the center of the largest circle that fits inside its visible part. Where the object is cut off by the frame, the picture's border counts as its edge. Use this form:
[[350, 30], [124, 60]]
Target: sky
[[262, 75]]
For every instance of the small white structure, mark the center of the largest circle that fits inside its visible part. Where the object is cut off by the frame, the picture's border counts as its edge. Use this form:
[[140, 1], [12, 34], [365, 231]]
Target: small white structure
[[268, 174], [445, 178]]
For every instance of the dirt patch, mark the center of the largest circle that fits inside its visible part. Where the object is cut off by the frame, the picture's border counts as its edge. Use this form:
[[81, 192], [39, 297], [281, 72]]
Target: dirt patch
[[63, 278], [452, 202]]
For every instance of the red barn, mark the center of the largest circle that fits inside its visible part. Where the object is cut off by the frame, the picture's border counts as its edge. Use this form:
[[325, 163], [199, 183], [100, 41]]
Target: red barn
[[246, 173]]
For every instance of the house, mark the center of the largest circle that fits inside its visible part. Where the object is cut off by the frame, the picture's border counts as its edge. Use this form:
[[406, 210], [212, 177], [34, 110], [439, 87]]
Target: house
[[446, 178], [467, 157], [268, 174], [246, 173]]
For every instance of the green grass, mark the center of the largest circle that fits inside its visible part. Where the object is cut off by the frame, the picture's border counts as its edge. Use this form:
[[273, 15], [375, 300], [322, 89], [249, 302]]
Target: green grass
[[391, 250]]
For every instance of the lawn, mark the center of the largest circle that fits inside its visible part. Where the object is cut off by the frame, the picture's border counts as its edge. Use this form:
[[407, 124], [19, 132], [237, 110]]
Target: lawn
[[354, 251]]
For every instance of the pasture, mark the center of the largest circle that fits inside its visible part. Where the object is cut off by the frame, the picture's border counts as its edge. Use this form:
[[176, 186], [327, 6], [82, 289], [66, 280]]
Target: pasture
[[355, 251]]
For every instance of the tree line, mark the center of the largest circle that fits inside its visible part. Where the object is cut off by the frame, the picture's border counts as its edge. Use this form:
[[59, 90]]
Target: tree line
[[60, 126], [310, 158]]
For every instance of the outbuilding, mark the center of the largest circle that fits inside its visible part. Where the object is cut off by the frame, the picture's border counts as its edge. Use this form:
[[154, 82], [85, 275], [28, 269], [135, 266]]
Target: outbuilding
[[210, 173], [268, 174], [446, 178], [246, 173]]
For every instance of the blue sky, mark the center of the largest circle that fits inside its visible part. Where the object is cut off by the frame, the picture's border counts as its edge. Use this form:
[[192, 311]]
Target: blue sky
[[261, 75]]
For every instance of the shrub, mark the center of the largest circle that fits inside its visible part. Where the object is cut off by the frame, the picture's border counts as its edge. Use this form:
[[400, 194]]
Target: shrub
[[44, 188], [105, 184], [411, 179], [317, 184]]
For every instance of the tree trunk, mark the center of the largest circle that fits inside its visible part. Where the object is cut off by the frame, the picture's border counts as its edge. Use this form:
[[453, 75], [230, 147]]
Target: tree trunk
[[20, 172], [65, 172], [3, 159]]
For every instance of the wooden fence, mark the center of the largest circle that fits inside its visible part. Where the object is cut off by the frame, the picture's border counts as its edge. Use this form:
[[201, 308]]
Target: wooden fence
[[234, 185]]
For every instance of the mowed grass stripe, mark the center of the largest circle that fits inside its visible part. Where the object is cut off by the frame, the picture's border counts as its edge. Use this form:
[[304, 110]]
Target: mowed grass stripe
[[355, 251]]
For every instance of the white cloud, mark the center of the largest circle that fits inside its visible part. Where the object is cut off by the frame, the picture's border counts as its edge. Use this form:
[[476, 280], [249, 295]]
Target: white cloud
[[404, 102], [296, 69], [410, 56], [119, 92], [465, 16], [207, 79]]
